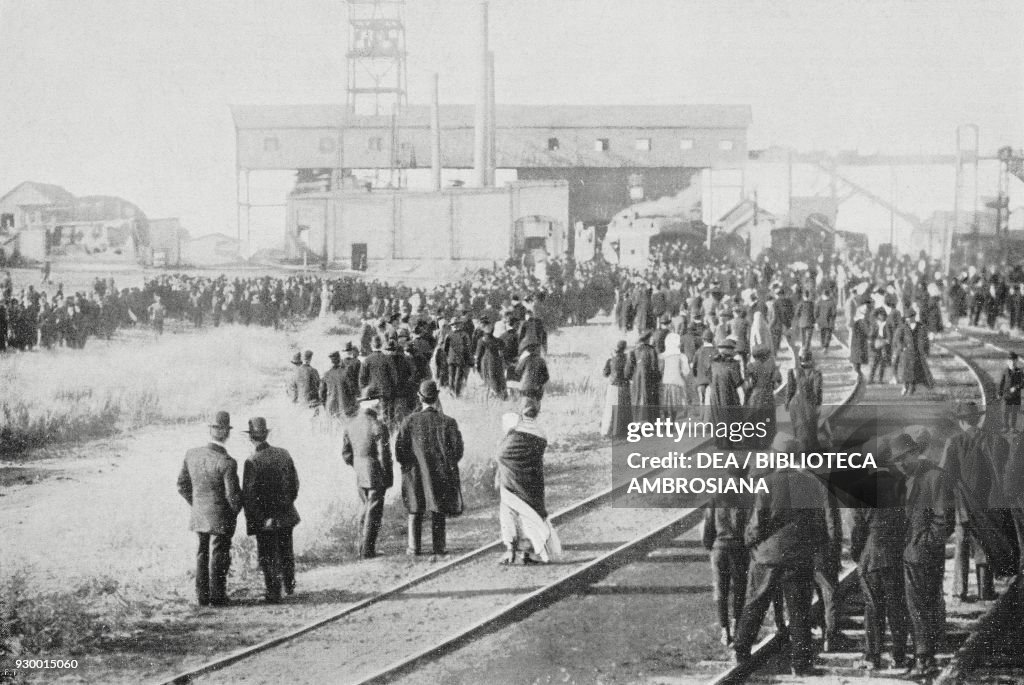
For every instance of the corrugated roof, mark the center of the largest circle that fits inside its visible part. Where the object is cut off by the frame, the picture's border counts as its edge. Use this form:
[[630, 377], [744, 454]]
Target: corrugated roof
[[508, 116]]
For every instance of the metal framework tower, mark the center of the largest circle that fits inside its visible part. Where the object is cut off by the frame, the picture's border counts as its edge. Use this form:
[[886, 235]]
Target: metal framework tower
[[377, 68], [376, 56]]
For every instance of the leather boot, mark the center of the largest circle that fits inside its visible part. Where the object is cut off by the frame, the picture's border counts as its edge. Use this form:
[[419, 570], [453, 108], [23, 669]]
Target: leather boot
[[415, 532]]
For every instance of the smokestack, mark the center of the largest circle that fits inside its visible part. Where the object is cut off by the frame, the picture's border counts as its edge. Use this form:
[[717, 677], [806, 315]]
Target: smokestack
[[435, 136], [492, 123], [480, 123]]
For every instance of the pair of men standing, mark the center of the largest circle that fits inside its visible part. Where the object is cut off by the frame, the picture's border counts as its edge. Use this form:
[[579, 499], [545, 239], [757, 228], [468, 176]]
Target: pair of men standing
[[428, 446], [208, 481]]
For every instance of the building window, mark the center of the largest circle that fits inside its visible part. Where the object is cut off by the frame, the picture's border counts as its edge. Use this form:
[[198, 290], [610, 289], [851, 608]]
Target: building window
[[686, 144], [601, 145], [643, 144], [327, 144], [271, 144], [725, 145], [375, 144], [552, 144]]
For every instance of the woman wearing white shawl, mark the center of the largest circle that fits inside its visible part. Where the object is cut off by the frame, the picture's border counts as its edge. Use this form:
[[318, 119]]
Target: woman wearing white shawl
[[760, 333], [520, 480]]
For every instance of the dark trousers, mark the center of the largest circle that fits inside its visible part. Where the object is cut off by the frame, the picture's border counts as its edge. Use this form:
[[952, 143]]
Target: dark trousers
[[826, 337], [213, 559], [437, 531], [884, 600], [764, 584], [924, 603], [826, 581], [277, 561], [967, 546], [879, 360], [806, 336], [456, 378], [369, 519], [729, 565]]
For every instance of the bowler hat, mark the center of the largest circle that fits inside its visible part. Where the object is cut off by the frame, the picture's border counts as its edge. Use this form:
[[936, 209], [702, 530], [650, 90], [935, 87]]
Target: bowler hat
[[307, 355], [297, 358], [257, 427], [620, 346], [334, 355], [349, 347], [902, 446], [428, 391], [221, 419]]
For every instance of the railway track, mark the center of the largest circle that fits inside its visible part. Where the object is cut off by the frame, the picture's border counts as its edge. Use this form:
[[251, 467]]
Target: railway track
[[490, 603], [486, 599]]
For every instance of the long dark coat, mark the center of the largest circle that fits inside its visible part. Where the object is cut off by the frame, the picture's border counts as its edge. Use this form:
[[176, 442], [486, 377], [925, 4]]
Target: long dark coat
[[621, 411], [912, 346], [532, 372], [860, 333], [378, 373], [429, 447], [763, 377], [339, 388], [723, 391], [804, 396], [490, 363], [642, 369], [521, 468], [270, 485]]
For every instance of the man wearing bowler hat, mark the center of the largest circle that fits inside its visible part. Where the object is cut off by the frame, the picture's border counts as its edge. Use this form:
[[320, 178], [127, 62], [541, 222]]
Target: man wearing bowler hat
[[366, 447], [429, 448], [305, 385], [339, 387], [209, 483], [270, 485]]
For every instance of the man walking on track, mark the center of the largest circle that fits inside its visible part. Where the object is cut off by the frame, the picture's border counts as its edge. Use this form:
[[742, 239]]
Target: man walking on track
[[209, 483], [930, 522], [366, 446], [270, 485], [429, 448]]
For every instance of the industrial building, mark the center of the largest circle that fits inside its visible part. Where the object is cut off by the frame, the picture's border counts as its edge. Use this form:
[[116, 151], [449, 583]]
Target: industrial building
[[596, 160]]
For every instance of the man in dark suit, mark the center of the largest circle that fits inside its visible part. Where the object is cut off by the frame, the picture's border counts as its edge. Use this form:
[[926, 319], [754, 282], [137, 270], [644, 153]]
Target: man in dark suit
[[930, 521], [825, 317], [533, 374], [366, 447], [429, 448], [270, 485], [339, 388], [876, 543], [532, 332], [209, 483], [804, 320], [458, 350], [786, 527], [305, 385], [379, 374], [975, 459]]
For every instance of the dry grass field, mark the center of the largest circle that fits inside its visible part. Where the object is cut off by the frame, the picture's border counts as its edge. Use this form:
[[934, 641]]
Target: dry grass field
[[95, 536]]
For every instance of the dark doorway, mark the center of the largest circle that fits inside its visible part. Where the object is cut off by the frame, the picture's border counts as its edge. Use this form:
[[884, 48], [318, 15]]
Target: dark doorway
[[359, 256]]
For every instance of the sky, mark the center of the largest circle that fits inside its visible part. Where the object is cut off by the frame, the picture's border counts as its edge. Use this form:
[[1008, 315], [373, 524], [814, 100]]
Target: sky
[[130, 97]]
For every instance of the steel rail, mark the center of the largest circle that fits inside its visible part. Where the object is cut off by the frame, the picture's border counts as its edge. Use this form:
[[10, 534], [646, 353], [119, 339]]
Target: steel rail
[[562, 516], [771, 645]]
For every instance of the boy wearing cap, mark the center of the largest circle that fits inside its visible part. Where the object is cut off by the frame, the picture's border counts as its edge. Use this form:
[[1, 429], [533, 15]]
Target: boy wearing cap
[[208, 481], [1010, 386], [270, 485]]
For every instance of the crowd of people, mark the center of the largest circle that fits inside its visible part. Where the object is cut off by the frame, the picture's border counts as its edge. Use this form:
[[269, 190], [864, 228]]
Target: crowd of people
[[708, 334]]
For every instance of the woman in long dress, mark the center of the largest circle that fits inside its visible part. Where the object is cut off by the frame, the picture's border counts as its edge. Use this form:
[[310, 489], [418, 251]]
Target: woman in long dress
[[520, 479], [762, 380], [675, 371], [803, 401], [618, 410]]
